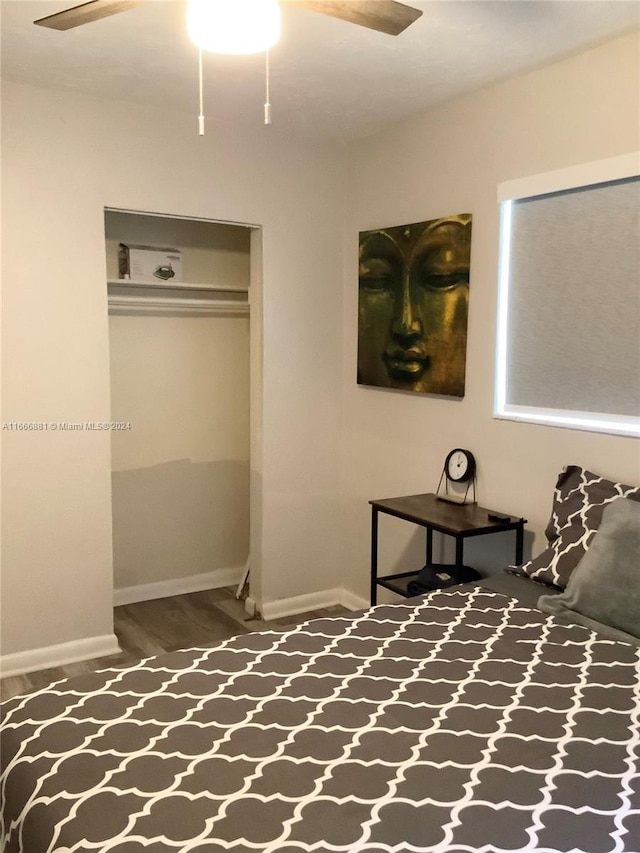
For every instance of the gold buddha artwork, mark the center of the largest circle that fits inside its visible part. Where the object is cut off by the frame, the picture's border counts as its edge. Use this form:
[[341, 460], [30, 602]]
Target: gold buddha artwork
[[413, 306]]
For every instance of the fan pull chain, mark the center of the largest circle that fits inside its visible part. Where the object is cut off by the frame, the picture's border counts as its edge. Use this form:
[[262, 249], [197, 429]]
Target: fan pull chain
[[267, 104], [201, 116]]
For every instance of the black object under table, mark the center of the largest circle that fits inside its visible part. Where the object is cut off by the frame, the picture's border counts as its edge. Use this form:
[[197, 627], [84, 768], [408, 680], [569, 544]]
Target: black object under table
[[458, 520]]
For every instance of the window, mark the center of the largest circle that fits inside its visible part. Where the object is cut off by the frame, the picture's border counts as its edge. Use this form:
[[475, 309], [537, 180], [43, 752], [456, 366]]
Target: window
[[568, 348]]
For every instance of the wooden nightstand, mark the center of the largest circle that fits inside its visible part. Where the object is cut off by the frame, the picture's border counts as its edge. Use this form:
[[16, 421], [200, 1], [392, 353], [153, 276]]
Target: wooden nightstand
[[458, 520]]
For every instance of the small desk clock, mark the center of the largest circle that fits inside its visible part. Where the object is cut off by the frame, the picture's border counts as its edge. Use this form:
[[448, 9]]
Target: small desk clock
[[459, 468]]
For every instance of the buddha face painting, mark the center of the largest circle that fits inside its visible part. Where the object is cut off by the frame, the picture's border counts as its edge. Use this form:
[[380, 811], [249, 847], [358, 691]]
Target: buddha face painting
[[413, 306]]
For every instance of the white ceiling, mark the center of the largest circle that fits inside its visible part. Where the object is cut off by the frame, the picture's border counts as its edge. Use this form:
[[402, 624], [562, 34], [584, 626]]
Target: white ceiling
[[329, 77]]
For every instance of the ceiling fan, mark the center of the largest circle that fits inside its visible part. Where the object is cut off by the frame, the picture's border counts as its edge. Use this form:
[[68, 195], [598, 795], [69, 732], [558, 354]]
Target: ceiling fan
[[385, 16]]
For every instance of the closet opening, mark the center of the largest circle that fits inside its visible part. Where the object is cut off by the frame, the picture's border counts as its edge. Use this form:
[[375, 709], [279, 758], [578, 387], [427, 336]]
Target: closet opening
[[179, 339]]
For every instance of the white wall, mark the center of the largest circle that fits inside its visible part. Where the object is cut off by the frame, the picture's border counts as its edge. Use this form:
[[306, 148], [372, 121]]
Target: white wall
[[64, 158], [449, 161], [180, 474]]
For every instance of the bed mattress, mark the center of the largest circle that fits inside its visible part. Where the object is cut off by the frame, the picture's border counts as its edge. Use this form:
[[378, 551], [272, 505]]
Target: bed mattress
[[461, 721]]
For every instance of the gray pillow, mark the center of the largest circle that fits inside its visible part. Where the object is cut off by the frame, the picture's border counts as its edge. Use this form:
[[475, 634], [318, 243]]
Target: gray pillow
[[603, 593]]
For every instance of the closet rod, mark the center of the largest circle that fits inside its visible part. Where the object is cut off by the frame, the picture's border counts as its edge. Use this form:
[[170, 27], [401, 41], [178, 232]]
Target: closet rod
[[177, 304]]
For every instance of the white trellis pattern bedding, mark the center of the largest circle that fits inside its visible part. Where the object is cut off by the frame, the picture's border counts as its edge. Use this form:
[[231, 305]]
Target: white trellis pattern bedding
[[463, 721]]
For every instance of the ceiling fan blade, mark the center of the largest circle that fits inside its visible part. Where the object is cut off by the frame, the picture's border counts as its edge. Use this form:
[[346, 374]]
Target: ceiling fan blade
[[86, 13], [385, 16]]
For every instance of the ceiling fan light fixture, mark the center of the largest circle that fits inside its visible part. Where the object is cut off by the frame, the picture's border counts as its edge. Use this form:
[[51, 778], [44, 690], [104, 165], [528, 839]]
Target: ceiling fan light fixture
[[233, 26]]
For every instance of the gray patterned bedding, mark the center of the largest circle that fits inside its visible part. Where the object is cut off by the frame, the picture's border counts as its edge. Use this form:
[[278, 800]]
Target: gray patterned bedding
[[464, 721]]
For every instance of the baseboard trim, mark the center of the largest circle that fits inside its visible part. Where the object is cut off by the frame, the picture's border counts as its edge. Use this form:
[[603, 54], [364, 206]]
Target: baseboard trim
[[178, 586], [312, 601], [251, 608], [352, 601], [46, 657]]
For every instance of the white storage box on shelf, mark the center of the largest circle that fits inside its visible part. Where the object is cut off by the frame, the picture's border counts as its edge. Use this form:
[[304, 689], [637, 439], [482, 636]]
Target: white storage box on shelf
[[152, 264]]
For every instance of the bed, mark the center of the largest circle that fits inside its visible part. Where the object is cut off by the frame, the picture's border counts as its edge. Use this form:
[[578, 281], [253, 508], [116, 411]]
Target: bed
[[464, 720]]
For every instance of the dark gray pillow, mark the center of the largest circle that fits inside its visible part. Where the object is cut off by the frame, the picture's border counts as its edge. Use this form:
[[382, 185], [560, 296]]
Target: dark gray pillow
[[603, 593], [579, 499]]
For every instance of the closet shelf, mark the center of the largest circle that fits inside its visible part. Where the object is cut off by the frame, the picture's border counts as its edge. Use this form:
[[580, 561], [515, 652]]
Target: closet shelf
[[178, 285]]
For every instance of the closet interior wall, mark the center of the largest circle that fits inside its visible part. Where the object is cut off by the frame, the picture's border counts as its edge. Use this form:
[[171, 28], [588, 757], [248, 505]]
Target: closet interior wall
[[180, 388]]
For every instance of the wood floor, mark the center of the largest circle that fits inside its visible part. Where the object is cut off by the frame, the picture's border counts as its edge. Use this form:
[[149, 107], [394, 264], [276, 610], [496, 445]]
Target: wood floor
[[165, 625]]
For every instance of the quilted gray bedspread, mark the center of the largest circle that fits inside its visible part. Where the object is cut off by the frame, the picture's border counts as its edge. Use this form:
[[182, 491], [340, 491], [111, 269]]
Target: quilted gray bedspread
[[463, 721]]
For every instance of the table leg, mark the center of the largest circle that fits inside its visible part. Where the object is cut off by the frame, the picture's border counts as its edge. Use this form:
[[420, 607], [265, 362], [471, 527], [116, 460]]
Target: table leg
[[429, 552], [519, 544], [459, 551], [374, 555]]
